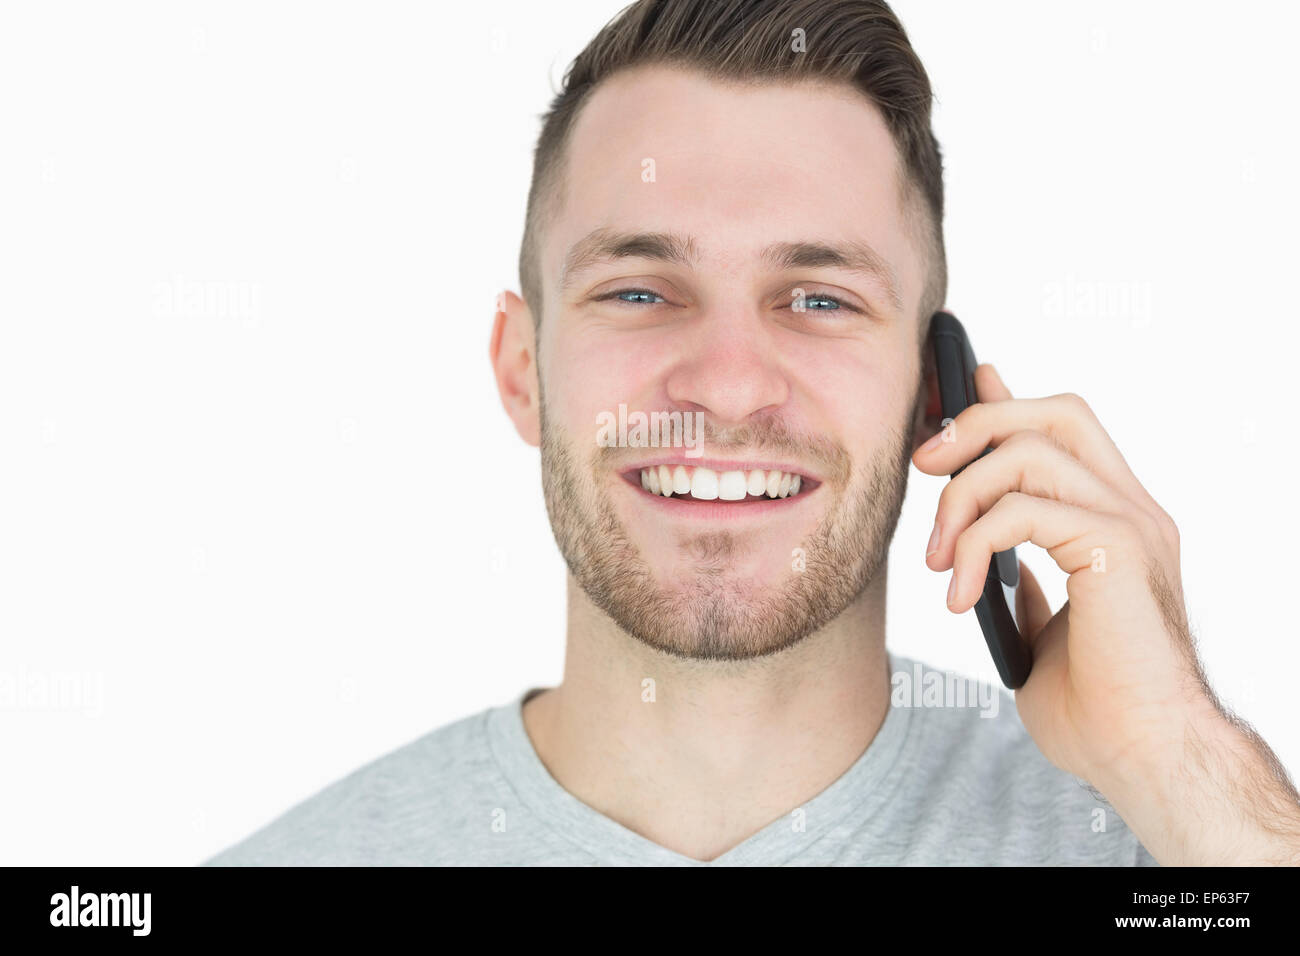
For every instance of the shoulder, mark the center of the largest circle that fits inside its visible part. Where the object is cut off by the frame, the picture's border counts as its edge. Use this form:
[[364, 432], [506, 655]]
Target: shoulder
[[391, 810], [986, 789]]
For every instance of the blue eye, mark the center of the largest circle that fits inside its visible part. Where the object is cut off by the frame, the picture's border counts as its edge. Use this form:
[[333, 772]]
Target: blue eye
[[825, 302], [633, 296], [811, 299]]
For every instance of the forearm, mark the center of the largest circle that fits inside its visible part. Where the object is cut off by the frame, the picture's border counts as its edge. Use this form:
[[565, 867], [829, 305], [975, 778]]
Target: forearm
[[1216, 795]]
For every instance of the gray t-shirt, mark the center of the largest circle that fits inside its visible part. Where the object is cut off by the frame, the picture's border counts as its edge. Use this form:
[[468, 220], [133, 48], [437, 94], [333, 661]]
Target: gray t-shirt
[[940, 784]]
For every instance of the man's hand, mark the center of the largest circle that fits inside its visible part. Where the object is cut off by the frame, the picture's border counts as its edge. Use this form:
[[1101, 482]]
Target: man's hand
[[1117, 695]]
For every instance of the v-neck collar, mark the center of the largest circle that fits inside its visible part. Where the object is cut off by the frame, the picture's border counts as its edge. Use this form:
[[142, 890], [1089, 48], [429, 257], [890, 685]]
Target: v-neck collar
[[863, 789]]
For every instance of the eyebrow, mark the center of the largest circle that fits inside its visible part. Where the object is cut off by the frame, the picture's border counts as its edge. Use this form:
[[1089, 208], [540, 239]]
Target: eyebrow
[[608, 245], [853, 256]]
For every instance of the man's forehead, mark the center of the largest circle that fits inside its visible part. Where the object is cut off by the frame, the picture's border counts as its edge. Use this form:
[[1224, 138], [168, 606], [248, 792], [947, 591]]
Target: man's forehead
[[669, 152]]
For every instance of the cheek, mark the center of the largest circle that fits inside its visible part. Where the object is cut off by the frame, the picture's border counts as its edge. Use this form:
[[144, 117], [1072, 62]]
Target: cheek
[[590, 375], [859, 389]]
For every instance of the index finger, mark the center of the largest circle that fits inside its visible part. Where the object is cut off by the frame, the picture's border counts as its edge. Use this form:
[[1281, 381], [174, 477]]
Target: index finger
[[1065, 418]]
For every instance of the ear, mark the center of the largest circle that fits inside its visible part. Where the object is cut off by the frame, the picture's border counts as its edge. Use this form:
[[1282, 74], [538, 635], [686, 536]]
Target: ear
[[927, 420], [513, 351]]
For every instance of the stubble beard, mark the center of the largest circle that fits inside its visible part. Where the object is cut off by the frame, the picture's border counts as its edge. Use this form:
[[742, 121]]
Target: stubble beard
[[708, 614]]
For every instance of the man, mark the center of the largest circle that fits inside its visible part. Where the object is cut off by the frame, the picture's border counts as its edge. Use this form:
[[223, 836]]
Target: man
[[736, 219]]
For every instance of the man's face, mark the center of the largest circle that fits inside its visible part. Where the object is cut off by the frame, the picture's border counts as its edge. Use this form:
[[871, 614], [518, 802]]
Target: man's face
[[746, 181]]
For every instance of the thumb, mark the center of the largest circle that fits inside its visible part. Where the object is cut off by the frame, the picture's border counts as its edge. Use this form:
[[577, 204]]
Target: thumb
[[989, 385], [1032, 610]]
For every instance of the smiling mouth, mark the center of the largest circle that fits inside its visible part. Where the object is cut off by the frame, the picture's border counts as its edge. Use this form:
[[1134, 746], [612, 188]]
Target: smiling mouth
[[693, 483]]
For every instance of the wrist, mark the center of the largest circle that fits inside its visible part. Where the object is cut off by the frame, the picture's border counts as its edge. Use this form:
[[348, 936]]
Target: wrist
[[1208, 791], [1152, 761]]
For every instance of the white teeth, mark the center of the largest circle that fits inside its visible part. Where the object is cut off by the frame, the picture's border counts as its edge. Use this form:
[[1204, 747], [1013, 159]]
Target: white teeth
[[731, 486], [666, 481], [681, 480], [773, 483], [704, 484]]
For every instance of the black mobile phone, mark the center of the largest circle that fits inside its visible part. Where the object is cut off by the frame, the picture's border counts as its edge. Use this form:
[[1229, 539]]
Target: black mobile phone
[[954, 361]]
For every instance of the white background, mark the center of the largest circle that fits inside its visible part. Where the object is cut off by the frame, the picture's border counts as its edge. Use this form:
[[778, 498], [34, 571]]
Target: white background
[[262, 518]]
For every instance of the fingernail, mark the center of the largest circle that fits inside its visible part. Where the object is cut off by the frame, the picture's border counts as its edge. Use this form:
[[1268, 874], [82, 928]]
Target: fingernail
[[933, 546], [952, 589], [933, 443]]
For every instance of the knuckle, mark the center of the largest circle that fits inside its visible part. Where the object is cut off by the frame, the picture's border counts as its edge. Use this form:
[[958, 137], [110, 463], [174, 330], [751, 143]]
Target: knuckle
[[1035, 443], [946, 498], [967, 543], [1167, 525], [1150, 525], [1026, 436], [1007, 506], [1075, 402], [1013, 499]]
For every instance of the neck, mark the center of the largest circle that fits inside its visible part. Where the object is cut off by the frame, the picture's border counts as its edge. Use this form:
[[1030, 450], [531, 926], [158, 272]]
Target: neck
[[721, 749]]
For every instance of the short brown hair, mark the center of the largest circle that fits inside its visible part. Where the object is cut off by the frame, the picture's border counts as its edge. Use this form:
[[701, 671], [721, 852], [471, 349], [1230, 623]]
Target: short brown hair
[[859, 42]]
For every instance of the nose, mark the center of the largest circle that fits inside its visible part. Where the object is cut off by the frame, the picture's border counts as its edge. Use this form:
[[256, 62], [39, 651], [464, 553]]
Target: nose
[[729, 368]]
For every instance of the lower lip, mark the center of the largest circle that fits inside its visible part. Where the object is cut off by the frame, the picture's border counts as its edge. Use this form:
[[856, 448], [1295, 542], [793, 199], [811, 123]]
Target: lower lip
[[694, 509]]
